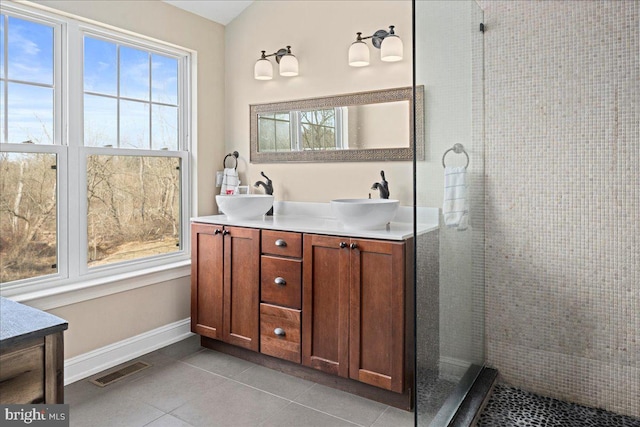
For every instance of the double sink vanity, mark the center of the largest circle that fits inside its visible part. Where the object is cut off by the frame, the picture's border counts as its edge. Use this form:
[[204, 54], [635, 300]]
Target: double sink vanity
[[311, 295]]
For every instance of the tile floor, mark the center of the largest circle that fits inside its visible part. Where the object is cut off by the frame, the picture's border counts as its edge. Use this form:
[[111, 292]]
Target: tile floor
[[191, 386]]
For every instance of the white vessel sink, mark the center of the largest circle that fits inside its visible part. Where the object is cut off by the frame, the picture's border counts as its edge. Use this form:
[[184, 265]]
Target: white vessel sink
[[244, 206], [365, 214]]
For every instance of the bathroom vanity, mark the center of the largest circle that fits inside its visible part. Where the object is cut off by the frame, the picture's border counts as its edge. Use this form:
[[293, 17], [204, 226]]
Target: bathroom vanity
[[309, 297], [31, 355]]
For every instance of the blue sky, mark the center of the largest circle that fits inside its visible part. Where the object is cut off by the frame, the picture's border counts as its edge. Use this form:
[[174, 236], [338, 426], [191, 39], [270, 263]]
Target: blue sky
[[30, 107]]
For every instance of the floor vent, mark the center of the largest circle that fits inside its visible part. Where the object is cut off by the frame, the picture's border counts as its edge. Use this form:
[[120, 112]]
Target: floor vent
[[121, 373]]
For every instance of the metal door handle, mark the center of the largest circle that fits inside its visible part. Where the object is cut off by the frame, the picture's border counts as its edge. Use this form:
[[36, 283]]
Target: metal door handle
[[281, 243], [218, 231], [343, 245], [353, 246], [279, 332], [280, 281], [225, 232]]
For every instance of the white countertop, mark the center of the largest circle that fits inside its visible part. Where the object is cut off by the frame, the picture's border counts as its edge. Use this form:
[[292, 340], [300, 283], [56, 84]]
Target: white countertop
[[316, 218]]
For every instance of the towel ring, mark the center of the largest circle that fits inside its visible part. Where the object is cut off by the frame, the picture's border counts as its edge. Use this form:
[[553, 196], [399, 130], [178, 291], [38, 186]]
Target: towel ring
[[457, 148], [234, 154]]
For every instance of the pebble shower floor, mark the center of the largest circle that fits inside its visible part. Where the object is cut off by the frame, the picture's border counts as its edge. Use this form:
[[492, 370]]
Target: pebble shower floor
[[510, 406]]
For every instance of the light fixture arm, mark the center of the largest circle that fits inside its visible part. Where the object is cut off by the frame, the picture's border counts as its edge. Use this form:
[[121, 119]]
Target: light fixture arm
[[278, 54], [377, 37]]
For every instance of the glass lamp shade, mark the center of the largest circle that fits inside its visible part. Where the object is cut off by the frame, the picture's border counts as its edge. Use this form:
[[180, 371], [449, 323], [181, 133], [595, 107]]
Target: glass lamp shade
[[391, 49], [263, 70], [288, 66], [359, 54]]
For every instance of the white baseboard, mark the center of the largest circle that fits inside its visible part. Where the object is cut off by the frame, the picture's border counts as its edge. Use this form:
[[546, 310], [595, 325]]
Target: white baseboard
[[452, 369], [87, 364]]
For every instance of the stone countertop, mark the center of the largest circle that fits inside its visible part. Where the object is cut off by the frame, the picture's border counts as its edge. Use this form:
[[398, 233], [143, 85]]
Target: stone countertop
[[20, 322], [316, 218]]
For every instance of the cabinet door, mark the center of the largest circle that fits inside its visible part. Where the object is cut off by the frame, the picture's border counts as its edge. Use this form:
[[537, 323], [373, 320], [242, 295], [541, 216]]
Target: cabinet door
[[325, 305], [376, 347], [206, 280], [242, 287]]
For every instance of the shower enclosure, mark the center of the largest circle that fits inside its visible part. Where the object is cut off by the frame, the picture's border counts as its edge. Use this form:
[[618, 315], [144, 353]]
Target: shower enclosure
[[448, 63]]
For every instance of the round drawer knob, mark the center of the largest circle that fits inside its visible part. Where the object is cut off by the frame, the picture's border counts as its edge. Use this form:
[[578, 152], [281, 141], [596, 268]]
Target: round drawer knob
[[353, 246], [279, 332], [280, 281], [281, 243]]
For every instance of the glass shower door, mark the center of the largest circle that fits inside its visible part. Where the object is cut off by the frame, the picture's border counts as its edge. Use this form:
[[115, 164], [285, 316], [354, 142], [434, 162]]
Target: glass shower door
[[448, 62]]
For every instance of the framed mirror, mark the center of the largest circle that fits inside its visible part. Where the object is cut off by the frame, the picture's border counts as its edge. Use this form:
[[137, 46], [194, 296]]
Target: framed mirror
[[364, 126]]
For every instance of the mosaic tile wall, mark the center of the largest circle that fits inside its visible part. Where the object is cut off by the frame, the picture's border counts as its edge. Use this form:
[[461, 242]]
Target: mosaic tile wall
[[563, 198]]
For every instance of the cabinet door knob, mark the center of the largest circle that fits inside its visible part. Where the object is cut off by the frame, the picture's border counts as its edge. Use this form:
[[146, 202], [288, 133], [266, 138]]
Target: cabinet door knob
[[225, 232], [353, 246], [218, 231], [281, 243], [280, 281], [343, 245], [279, 332]]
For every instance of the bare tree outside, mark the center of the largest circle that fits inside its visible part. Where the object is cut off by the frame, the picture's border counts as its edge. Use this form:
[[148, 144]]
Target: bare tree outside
[[133, 207], [28, 244], [318, 129]]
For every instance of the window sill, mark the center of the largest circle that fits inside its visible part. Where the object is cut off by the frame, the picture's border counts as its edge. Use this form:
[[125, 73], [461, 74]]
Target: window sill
[[60, 296]]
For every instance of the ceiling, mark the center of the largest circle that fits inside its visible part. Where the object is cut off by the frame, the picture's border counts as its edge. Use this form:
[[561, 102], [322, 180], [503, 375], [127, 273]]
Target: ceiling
[[220, 11]]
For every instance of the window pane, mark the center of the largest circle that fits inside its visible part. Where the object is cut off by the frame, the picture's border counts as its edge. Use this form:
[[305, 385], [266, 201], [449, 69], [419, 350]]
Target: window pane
[[133, 207], [30, 114], [134, 73], [134, 124], [100, 66], [283, 140], [30, 51], [2, 18], [28, 246], [164, 79], [2, 112], [165, 127], [100, 121], [266, 134]]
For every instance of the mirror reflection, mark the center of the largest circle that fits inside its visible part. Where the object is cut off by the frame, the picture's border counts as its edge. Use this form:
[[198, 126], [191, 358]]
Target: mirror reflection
[[361, 126]]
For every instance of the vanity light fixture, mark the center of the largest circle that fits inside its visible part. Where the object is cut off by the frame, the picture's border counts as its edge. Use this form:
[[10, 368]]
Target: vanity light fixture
[[263, 70], [389, 44]]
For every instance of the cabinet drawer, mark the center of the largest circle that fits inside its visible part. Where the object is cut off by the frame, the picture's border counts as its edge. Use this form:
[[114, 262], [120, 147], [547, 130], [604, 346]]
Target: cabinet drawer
[[281, 281], [282, 243], [22, 376], [280, 332]]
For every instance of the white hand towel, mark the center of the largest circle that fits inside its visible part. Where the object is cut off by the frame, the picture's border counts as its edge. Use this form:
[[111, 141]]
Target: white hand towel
[[456, 198], [230, 181]]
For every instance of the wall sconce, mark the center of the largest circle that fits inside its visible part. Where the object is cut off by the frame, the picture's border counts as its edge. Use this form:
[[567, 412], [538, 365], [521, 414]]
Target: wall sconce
[[389, 44], [263, 70]]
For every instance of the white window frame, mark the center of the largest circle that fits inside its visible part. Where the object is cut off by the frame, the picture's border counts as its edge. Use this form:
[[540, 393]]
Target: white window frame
[[74, 280]]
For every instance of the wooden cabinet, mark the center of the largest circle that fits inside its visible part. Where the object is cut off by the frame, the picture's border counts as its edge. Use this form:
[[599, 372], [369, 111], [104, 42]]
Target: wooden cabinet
[[280, 293], [325, 304], [338, 305], [225, 284], [31, 355], [354, 309]]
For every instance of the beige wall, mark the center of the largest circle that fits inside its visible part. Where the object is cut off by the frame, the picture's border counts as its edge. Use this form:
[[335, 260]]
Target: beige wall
[[99, 322], [563, 196], [320, 33]]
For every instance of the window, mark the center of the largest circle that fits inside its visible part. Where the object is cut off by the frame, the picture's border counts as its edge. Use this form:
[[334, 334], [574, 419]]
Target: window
[[131, 103], [109, 194], [312, 130]]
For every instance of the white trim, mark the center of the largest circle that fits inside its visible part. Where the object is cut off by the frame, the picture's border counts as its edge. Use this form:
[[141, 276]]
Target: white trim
[[48, 298], [87, 364]]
